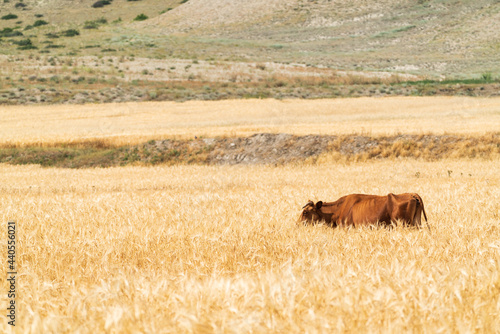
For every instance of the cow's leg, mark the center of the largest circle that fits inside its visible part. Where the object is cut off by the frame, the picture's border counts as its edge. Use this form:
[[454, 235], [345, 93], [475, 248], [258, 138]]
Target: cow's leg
[[416, 213], [401, 211], [417, 218], [411, 213]]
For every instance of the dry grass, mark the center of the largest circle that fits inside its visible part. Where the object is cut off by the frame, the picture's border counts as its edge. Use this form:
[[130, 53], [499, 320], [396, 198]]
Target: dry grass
[[216, 249], [132, 123], [125, 69]]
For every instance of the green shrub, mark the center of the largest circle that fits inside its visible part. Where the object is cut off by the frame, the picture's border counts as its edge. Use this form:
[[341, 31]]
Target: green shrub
[[23, 42], [14, 34], [6, 30], [166, 10], [102, 20], [90, 25], [95, 24], [9, 17], [70, 33], [27, 47], [9, 32], [141, 17], [91, 46], [54, 46], [101, 3], [39, 23]]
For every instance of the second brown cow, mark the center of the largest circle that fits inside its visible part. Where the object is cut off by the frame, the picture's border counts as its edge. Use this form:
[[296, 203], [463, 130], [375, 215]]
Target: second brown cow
[[359, 210]]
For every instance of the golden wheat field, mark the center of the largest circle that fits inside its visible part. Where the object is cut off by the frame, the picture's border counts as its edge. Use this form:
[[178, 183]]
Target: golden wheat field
[[217, 249]]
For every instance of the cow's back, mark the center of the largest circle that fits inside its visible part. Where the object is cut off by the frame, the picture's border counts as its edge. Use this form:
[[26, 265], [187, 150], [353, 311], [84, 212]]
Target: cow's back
[[360, 209]]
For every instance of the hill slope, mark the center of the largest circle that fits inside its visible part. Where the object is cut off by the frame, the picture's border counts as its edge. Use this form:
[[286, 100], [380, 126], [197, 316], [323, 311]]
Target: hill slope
[[424, 37], [432, 37], [57, 51]]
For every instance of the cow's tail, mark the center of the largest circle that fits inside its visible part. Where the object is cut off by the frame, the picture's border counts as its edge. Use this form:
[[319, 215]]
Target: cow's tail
[[421, 203]]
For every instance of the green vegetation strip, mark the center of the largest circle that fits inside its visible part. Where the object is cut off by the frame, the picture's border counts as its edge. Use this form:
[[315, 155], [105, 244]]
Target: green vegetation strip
[[92, 89], [262, 148]]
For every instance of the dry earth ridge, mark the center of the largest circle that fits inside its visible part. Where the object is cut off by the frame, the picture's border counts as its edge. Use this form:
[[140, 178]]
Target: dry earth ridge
[[262, 148]]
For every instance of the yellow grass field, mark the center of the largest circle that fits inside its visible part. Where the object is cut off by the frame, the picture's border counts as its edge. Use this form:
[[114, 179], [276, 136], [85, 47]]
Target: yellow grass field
[[216, 249], [127, 123]]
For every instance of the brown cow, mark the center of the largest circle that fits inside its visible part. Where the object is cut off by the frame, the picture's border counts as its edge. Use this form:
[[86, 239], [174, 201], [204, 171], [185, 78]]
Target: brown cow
[[358, 210]]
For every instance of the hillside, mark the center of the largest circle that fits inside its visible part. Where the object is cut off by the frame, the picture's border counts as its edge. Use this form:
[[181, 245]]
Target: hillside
[[73, 13], [430, 37], [425, 37], [77, 51], [218, 16]]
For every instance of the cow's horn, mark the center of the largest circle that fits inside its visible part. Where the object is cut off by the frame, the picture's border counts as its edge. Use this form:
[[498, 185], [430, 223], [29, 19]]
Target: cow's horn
[[308, 204]]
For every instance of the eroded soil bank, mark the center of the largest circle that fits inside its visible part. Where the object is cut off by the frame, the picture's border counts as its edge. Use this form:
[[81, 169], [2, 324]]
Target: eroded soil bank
[[261, 148]]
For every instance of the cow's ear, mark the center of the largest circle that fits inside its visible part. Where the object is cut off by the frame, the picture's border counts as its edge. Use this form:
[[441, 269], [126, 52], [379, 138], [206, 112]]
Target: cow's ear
[[319, 205]]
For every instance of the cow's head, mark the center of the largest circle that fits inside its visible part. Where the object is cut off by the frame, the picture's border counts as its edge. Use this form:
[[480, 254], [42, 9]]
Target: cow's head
[[311, 212]]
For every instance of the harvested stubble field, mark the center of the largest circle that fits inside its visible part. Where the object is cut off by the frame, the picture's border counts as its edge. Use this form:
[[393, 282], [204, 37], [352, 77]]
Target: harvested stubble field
[[190, 248], [133, 123]]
